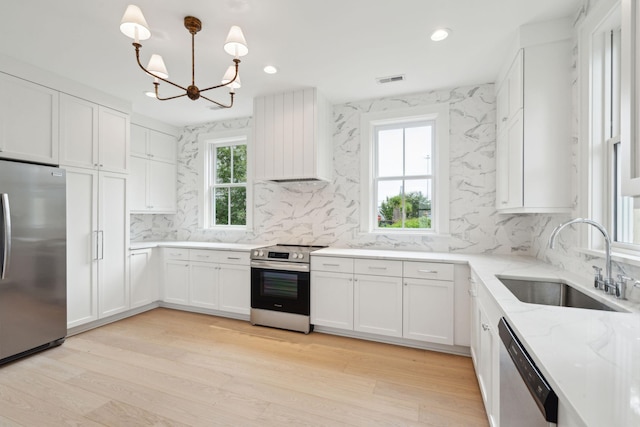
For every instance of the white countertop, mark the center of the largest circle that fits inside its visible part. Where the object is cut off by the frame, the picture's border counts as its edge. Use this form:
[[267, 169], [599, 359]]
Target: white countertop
[[197, 245], [591, 358]]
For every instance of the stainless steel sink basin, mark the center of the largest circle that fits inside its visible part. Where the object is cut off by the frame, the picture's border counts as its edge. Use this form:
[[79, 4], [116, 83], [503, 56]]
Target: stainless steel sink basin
[[552, 293]]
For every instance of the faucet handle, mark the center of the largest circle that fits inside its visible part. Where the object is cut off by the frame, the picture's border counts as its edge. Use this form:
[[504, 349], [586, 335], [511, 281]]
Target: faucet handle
[[621, 288], [597, 280]]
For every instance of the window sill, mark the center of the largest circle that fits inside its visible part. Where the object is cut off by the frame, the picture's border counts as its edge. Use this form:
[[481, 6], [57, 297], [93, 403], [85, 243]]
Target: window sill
[[622, 257]]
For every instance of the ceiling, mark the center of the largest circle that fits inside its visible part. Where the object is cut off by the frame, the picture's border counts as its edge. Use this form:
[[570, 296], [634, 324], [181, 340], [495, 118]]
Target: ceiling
[[338, 46]]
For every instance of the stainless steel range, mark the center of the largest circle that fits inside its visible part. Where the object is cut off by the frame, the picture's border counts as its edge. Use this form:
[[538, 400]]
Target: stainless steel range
[[280, 287]]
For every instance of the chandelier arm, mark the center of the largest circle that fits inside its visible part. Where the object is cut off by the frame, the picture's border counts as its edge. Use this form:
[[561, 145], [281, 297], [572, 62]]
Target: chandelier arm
[[217, 103], [138, 46], [237, 61], [166, 99]]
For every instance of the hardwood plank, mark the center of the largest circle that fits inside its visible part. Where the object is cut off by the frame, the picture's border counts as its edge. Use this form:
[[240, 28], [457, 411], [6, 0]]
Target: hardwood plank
[[167, 367]]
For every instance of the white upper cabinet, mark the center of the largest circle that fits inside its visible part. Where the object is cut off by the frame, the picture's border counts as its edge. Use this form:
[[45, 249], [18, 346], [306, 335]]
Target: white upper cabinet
[[291, 137], [28, 121], [533, 124], [93, 136], [153, 171]]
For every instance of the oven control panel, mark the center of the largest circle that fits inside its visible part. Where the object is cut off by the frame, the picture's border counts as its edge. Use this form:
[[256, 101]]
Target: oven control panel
[[277, 254]]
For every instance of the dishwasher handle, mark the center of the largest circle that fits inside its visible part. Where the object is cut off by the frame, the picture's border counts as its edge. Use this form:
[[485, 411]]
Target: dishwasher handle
[[540, 390]]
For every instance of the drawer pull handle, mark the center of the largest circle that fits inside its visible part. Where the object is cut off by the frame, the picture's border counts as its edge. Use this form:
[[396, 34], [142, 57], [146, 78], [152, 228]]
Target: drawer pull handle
[[331, 265], [173, 254], [233, 257], [202, 256], [377, 268], [428, 271]]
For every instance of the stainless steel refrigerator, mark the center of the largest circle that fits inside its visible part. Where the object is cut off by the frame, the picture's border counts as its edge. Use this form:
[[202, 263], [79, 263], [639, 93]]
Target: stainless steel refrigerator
[[33, 272]]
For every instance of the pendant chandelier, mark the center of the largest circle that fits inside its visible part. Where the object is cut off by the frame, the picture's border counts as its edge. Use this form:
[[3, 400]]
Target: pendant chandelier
[[134, 25]]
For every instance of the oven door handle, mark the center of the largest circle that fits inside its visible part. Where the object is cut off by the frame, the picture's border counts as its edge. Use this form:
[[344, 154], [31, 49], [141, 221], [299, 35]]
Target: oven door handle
[[282, 266]]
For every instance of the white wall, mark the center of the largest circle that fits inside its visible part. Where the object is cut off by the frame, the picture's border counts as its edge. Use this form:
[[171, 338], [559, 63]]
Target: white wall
[[328, 213]]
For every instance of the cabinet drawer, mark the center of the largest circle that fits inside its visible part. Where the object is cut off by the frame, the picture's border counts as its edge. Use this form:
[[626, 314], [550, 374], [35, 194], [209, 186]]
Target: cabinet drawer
[[378, 267], [428, 270], [176, 253], [337, 265], [229, 257], [203, 255]]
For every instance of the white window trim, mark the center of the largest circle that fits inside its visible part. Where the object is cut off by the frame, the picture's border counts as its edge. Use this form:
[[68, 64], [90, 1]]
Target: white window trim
[[203, 188], [368, 121]]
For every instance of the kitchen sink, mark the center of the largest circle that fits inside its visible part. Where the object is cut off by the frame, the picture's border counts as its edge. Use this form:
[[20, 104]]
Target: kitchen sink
[[548, 292]]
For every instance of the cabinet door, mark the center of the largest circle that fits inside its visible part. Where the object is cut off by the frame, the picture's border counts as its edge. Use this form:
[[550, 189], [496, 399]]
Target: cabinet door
[[113, 140], [141, 292], [515, 84], [138, 185], [78, 132], [113, 244], [203, 285], [428, 310], [378, 305], [235, 288], [82, 264], [139, 137], [161, 187], [485, 358], [332, 299], [509, 173], [176, 281], [29, 117], [162, 147]]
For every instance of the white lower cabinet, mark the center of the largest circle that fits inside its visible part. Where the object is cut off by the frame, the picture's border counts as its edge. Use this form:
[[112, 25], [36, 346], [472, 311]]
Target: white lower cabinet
[[234, 288], [142, 286], [97, 242], [208, 279], [203, 285], [485, 348], [428, 310], [404, 299], [332, 299], [378, 305]]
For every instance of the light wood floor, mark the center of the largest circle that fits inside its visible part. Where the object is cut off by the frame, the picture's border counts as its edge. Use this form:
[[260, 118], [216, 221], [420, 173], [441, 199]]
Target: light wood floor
[[172, 368]]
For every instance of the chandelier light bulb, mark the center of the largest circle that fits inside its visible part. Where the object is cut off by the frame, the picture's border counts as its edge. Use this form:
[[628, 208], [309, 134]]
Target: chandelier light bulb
[[133, 24], [236, 45]]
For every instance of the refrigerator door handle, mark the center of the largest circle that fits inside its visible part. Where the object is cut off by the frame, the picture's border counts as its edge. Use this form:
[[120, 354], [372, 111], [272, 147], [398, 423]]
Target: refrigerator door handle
[[6, 244]]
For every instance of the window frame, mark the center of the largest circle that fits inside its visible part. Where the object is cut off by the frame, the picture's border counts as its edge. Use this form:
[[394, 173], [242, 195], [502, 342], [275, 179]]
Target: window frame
[[206, 174], [438, 114]]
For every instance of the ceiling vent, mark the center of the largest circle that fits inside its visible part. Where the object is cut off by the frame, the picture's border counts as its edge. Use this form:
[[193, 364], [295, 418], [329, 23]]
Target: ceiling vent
[[390, 79]]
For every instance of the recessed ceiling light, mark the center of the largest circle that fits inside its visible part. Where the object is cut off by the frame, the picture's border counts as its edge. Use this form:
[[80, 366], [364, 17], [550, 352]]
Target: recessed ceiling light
[[440, 34], [270, 69], [150, 94]]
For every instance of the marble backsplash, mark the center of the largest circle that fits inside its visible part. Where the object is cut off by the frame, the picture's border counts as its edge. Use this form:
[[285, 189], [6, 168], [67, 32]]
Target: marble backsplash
[[328, 213]]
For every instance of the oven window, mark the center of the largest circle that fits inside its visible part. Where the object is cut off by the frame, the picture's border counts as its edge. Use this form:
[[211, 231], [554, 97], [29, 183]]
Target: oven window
[[279, 284]]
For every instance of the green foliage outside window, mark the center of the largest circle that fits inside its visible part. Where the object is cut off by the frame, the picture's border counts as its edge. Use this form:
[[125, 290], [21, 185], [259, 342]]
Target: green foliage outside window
[[229, 198], [417, 211]]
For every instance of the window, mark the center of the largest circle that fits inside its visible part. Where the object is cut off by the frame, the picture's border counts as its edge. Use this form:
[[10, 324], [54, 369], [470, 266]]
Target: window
[[607, 202], [405, 171], [223, 201], [403, 176]]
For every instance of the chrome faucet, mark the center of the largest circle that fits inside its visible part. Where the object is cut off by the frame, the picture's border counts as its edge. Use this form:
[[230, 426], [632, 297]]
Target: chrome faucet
[[608, 284]]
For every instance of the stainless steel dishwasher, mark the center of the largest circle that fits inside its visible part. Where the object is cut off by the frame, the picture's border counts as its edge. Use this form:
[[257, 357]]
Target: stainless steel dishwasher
[[526, 399]]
